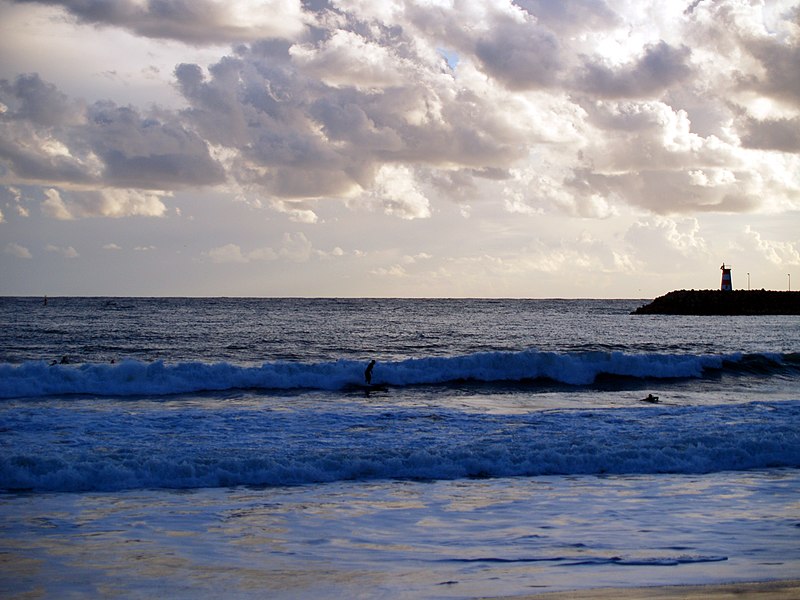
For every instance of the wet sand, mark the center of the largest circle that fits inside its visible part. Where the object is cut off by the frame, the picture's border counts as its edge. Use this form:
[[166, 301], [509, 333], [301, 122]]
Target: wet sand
[[769, 590]]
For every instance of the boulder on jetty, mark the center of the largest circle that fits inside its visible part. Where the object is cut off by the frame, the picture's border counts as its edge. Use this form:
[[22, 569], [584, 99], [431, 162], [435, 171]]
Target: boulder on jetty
[[718, 302]]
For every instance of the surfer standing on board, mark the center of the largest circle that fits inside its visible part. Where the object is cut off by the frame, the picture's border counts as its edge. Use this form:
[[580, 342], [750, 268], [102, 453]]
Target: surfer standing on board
[[368, 372]]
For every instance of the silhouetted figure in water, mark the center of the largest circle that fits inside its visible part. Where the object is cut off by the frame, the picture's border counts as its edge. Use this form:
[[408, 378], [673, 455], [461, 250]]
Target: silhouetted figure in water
[[650, 398], [368, 372]]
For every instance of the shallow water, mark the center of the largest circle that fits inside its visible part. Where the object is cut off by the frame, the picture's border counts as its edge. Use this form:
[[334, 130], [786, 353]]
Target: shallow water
[[405, 539]]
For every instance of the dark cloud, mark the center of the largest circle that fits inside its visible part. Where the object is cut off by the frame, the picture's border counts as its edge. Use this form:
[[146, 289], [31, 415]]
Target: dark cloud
[[673, 192], [575, 15], [297, 137], [50, 139], [772, 134], [264, 115], [190, 21], [521, 55], [780, 61], [148, 152], [28, 98], [660, 67]]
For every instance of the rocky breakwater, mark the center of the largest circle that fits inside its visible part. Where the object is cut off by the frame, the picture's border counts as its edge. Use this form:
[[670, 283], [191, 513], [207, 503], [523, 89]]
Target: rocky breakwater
[[716, 302]]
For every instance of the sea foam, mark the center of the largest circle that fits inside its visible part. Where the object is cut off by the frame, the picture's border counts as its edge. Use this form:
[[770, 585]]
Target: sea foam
[[190, 446]]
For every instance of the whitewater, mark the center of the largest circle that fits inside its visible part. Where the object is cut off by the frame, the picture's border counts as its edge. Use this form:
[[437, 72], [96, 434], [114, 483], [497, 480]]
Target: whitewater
[[198, 447]]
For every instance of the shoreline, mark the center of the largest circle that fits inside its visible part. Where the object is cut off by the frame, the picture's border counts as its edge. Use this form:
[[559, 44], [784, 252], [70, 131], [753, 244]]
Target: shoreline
[[786, 589]]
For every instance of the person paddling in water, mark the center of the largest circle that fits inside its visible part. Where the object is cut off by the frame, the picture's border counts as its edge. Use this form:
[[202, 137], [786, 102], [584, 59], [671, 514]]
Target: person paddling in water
[[368, 372]]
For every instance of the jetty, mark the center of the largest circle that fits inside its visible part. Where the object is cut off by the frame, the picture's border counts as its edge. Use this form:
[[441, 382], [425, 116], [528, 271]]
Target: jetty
[[723, 302]]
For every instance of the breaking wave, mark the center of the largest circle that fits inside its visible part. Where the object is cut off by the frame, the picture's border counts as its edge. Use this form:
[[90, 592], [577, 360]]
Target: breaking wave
[[135, 378]]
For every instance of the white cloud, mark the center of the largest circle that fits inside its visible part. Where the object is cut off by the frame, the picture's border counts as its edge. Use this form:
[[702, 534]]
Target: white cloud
[[54, 207], [777, 253], [68, 252], [294, 247], [346, 59], [421, 256], [115, 203], [230, 253], [395, 271], [665, 244], [17, 250], [398, 192]]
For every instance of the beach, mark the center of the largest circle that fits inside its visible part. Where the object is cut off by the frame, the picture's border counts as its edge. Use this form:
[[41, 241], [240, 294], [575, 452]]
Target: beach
[[771, 590]]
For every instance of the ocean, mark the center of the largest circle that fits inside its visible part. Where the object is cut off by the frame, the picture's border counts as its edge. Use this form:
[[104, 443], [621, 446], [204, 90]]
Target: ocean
[[223, 447]]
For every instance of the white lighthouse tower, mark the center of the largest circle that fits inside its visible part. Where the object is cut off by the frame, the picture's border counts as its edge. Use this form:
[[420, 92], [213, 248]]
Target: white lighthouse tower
[[726, 285]]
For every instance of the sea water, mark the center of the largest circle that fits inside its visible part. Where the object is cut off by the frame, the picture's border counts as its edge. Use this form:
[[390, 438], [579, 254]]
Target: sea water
[[230, 447]]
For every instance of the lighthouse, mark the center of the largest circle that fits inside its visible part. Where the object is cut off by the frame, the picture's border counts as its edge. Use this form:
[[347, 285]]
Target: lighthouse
[[726, 285]]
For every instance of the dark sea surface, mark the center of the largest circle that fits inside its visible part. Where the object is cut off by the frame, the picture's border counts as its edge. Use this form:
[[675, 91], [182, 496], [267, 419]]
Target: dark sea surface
[[197, 447]]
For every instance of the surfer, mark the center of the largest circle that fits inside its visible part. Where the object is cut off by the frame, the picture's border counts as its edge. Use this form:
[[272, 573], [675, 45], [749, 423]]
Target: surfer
[[650, 398], [368, 372]]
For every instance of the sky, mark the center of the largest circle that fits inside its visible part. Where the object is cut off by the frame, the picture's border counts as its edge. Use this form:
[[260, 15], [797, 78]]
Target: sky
[[401, 148]]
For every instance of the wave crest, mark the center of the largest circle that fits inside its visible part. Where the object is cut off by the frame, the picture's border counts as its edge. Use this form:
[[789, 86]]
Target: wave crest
[[136, 378]]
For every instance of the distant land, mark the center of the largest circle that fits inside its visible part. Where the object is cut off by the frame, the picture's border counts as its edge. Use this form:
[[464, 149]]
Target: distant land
[[718, 302]]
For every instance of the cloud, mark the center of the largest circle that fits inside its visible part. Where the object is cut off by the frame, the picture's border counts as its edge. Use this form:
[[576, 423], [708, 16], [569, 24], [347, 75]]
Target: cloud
[[779, 59], [394, 271], [660, 67], [17, 251], [106, 154], [778, 253], [297, 211], [347, 59], [54, 206], [521, 54], [68, 205], [652, 107], [294, 247], [666, 244], [153, 151], [397, 191], [15, 200], [68, 252], [772, 134], [230, 253], [572, 17], [194, 22]]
